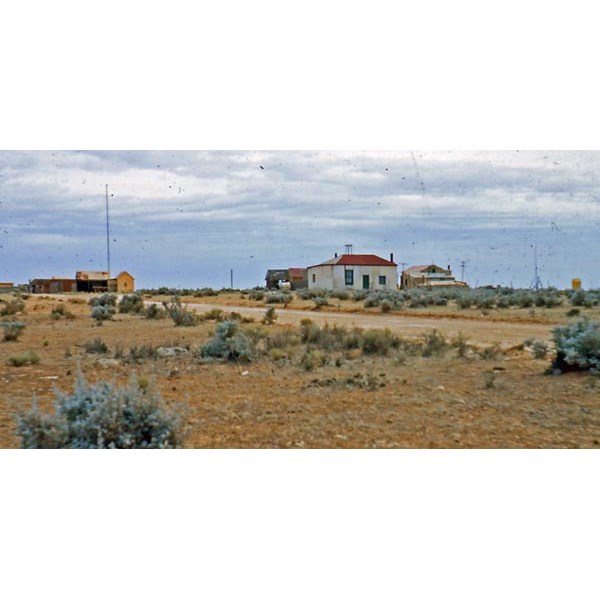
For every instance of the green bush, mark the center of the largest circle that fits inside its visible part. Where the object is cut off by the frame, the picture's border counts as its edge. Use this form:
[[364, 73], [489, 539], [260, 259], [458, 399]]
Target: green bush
[[228, 343], [434, 343], [181, 316], [95, 346], [539, 348], [577, 346], [278, 297], [102, 312], [319, 302], [154, 311], [378, 341], [131, 303], [103, 416], [12, 330], [59, 311], [12, 307], [105, 299], [313, 359], [270, 316], [25, 358]]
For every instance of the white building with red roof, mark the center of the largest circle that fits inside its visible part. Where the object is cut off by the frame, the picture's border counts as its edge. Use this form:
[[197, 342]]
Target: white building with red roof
[[354, 272]]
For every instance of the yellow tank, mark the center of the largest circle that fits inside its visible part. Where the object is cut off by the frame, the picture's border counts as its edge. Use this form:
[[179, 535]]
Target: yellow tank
[[576, 284]]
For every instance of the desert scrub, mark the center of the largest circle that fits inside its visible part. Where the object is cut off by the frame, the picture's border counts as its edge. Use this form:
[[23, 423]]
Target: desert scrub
[[59, 311], [181, 316], [202, 292], [460, 342], [95, 346], [103, 416], [102, 312], [154, 311], [577, 346], [256, 294], [270, 316], [12, 330], [313, 359], [228, 343], [378, 341], [25, 358], [12, 307], [434, 344], [131, 303], [539, 348], [278, 298], [214, 314], [103, 300], [319, 302]]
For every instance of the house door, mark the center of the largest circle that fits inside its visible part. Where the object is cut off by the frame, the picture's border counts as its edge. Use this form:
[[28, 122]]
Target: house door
[[365, 282]]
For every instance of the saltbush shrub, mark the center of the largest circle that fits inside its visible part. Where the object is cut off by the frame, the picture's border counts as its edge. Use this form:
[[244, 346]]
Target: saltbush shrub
[[25, 358], [154, 311], [12, 307], [278, 297], [577, 346], [270, 316], [181, 316], [12, 330], [95, 346], [59, 311], [434, 343], [105, 299], [131, 303], [102, 312], [103, 416], [228, 343]]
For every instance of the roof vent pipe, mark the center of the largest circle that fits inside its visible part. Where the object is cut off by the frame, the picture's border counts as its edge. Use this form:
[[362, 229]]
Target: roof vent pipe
[[391, 257], [336, 254]]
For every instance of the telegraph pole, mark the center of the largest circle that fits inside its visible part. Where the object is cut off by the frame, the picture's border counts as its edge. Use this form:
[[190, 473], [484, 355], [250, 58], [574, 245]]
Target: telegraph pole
[[107, 234], [462, 270]]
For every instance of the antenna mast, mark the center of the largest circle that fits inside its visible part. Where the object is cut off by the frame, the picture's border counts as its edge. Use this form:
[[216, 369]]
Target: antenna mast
[[537, 282], [107, 235]]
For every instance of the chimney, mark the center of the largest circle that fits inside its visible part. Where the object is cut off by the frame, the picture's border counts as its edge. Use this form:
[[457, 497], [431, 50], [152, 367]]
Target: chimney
[[336, 255], [449, 268], [391, 257]]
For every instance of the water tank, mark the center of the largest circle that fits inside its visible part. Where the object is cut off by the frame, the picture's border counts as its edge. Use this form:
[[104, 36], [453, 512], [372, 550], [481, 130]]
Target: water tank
[[576, 284]]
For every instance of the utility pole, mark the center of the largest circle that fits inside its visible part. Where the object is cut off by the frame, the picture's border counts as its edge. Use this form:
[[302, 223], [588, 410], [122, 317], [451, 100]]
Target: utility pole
[[462, 270], [231, 277], [107, 234]]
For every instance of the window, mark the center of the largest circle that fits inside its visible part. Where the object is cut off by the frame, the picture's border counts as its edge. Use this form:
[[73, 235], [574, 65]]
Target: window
[[314, 277], [349, 276], [382, 280]]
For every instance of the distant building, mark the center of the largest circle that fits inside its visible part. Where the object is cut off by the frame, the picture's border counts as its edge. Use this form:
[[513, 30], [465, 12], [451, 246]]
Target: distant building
[[85, 281], [353, 272], [54, 285], [92, 281], [123, 283], [296, 277], [429, 276], [6, 286]]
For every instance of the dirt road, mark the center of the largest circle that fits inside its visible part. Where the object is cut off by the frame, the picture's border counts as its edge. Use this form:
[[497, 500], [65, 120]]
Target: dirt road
[[477, 331]]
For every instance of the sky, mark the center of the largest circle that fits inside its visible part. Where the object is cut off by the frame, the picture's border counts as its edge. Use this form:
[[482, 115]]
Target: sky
[[186, 218]]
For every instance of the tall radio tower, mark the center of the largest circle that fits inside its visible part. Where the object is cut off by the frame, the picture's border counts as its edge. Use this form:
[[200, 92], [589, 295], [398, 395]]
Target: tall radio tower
[[107, 234], [536, 284]]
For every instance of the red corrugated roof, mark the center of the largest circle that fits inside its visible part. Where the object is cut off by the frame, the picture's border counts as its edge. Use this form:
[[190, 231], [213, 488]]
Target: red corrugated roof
[[358, 260], [296, 272]]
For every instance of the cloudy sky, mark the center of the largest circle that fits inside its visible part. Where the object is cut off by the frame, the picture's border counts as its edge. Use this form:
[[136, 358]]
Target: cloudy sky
[[186, 218]]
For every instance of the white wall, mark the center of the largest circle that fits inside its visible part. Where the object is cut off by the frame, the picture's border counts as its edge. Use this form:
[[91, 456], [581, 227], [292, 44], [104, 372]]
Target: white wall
[[332, 277]]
